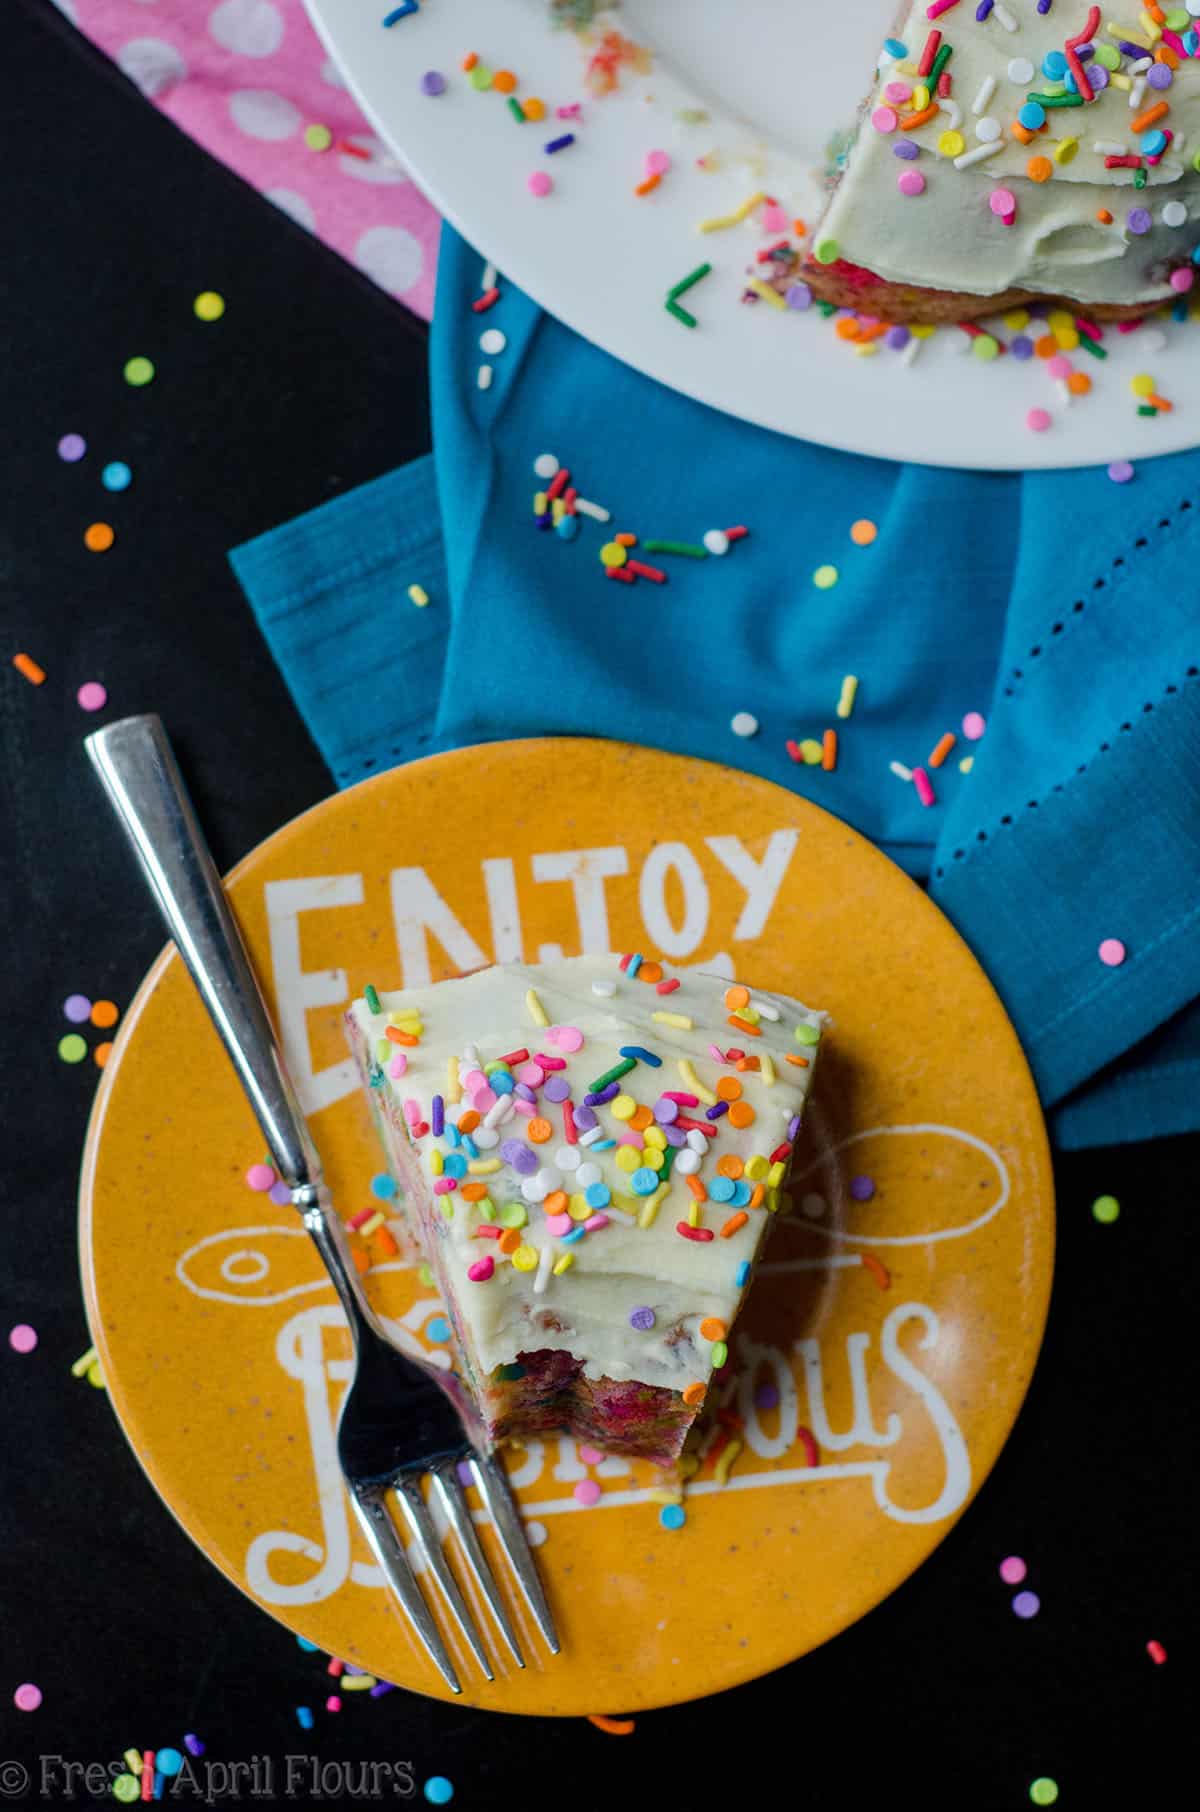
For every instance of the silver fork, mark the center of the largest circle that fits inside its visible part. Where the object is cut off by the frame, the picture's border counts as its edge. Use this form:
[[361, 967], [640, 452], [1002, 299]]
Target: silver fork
[[397, 1420]]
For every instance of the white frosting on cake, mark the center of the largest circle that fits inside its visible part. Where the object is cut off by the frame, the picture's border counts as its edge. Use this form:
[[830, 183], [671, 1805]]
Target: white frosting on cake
[[950, 238], [625, 1265]]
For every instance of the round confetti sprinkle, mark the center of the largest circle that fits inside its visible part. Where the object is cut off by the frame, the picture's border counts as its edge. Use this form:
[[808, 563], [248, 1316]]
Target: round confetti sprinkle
[[587, 1493], [885, 119], [101, 1054], [72, 447], [438, 1330], [642, 1319], [127, 1788], [1021, 347], [438, 1790], [105, 1013], [798, 295], [862, 1188], [863, 532], [22, 1338], [744, 723], [1121, 471], [168, 1761], [139, 371], [98, 537], [1039, 169], [383, 1186], [536, 1534], [433, 82], [906, 150], [208, 305], [260, 1178], [116, 476], [492, 341], [1043, 1791], [280, 1194], [539, 183], [591, 1456], [1139, 220], [973, 726], [27, 1696], [1020, 71], [1012, 1569], [545, 465], [1026, 1605], [72, 1048], [1181, 281], [91, 696], [1112, 952], [985, 346], [318, 137], [828, 252], [672, 1516], [1174, 214], [1038, 420], [716, 541], [825, 577], [77, 1008], [1105, 1209], [910, 182]]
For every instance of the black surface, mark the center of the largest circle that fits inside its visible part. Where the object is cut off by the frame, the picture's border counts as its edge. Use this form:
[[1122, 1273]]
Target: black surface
[[110, 223]]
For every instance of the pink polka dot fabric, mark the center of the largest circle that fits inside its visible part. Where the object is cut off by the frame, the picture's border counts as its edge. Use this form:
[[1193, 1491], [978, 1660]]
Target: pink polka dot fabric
[[244, 78]]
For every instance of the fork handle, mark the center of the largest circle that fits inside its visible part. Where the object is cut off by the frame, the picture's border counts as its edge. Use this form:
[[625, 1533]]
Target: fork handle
[[138, 770]]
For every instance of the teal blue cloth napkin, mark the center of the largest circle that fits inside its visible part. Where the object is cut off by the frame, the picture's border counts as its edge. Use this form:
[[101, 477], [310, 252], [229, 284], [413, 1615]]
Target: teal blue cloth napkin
[[1059, 606]]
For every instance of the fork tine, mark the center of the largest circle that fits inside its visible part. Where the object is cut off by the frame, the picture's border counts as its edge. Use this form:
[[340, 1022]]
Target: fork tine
[[445, 1477], [493, 1488], [421, 1527], [388, 1550]]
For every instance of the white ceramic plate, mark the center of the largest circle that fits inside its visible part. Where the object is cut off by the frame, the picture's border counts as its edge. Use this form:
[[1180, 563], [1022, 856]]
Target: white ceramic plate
[[777, 79]]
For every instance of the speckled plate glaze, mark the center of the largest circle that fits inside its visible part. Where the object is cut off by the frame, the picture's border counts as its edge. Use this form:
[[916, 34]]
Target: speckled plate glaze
[[887, 1345], [777, 82]]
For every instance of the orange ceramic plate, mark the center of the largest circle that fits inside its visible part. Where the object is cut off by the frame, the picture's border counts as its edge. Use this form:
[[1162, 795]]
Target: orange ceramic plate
[[889, 1341]]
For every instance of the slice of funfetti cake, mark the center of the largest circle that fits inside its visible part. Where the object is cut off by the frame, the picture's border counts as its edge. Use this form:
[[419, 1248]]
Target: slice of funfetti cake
[[592, 1153]]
